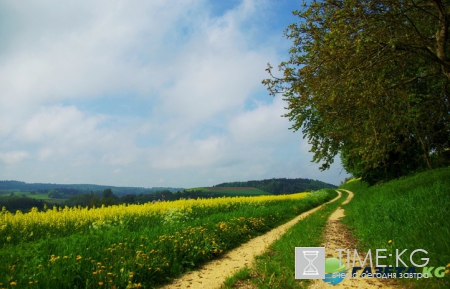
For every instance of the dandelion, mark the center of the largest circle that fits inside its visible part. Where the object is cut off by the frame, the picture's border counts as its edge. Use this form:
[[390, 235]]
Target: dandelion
[[447, 271], [13, 283], [78, 258], [390, 242], [448, 265], [100, 283]]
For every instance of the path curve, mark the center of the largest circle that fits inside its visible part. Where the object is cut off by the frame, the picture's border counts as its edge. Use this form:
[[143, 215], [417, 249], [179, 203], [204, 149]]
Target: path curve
[[337, 236], [214, 273]]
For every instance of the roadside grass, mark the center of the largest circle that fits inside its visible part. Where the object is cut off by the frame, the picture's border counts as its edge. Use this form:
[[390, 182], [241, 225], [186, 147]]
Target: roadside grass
[[276, 267], [412, 212], [133, 255]]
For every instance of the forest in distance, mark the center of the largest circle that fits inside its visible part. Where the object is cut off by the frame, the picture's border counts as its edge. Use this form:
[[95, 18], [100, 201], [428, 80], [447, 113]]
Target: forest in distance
[[17, 195]]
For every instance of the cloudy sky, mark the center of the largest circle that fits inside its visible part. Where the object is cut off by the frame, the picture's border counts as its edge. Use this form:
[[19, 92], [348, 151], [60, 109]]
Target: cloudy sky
[[146, 93]]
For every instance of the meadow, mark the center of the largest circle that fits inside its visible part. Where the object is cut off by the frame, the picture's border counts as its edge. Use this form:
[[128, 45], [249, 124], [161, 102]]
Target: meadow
[[232, 191], [133, 246], [408, 213]]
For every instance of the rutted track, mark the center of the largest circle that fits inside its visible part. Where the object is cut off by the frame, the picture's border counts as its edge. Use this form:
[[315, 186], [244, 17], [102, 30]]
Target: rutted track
[[214, 273], [338, 236]]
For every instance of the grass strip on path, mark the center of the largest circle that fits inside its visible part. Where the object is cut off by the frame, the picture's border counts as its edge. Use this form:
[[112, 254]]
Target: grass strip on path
[[276, 267]]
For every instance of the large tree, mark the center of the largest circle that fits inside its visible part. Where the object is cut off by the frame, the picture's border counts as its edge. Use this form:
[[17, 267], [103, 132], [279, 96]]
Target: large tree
[[369, 80]]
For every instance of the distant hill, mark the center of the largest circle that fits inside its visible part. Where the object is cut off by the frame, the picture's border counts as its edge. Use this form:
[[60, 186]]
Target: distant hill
[[10, 186], [282, 185]]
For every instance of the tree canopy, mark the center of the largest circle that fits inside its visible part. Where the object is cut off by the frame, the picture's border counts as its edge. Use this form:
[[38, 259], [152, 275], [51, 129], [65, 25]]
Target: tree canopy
[[369, 80]]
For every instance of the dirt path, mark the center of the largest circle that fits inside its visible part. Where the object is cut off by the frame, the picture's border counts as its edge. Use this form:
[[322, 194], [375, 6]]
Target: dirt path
[[213, 274], [337, 235]]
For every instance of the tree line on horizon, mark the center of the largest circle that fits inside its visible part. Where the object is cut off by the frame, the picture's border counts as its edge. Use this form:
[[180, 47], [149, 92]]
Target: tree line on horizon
[[278, 186]]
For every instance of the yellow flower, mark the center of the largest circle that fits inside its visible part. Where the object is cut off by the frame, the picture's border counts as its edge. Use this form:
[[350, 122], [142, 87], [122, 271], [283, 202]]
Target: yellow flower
[[447, 271], [448, 265], [13, 283], [390, 242], [100, 283]]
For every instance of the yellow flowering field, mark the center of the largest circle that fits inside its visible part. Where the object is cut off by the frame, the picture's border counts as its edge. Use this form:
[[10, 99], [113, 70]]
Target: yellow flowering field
[[133, 246], [35, 224]]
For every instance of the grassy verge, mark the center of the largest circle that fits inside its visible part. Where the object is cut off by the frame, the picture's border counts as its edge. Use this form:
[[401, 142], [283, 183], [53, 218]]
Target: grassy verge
[[412, 213], [276, 267]]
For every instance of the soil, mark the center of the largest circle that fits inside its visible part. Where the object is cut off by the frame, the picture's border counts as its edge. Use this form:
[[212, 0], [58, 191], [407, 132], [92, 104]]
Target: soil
[[214, 273], [337, 235]]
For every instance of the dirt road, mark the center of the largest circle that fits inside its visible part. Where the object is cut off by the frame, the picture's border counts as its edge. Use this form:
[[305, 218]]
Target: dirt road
[[213, 274], [337, 236]]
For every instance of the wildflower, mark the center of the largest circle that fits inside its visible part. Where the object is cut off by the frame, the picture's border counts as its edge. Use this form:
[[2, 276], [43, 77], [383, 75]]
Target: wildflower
[[78, 258], [13, 283], [100, 283], [447, 271], [448, 265], [390, 242]]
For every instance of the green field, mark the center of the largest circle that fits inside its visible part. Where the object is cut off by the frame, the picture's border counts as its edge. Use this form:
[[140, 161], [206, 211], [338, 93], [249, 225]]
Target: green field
[[412, 212], [231, 191], [405, 214], [134, 246], [38, 196]]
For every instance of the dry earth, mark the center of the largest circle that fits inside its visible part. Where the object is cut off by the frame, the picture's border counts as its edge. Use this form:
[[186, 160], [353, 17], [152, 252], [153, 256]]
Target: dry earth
[[213, 274], [337, 236]]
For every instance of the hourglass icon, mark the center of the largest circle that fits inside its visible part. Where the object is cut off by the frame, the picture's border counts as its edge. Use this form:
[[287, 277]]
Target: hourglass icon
[[310, 269]]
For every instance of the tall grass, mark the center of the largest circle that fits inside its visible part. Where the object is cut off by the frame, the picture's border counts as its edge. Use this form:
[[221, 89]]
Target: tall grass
[[412, 211]]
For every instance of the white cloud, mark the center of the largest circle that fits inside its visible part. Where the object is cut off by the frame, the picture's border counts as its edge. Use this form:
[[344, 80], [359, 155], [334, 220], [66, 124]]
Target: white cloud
[[264, 124], [13, 157], [135, 92]]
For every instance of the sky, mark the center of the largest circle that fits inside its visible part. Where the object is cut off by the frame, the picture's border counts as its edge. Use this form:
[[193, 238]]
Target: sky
[[147, 93]]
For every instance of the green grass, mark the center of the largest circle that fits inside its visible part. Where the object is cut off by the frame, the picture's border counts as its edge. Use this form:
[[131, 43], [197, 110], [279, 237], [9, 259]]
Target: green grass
[[276, 267], [412, 211], [39, 196], [148, 253], [231, 191]]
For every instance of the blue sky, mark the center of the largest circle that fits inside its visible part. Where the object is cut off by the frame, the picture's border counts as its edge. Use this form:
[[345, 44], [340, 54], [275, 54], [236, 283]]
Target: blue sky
[[146, 93]]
